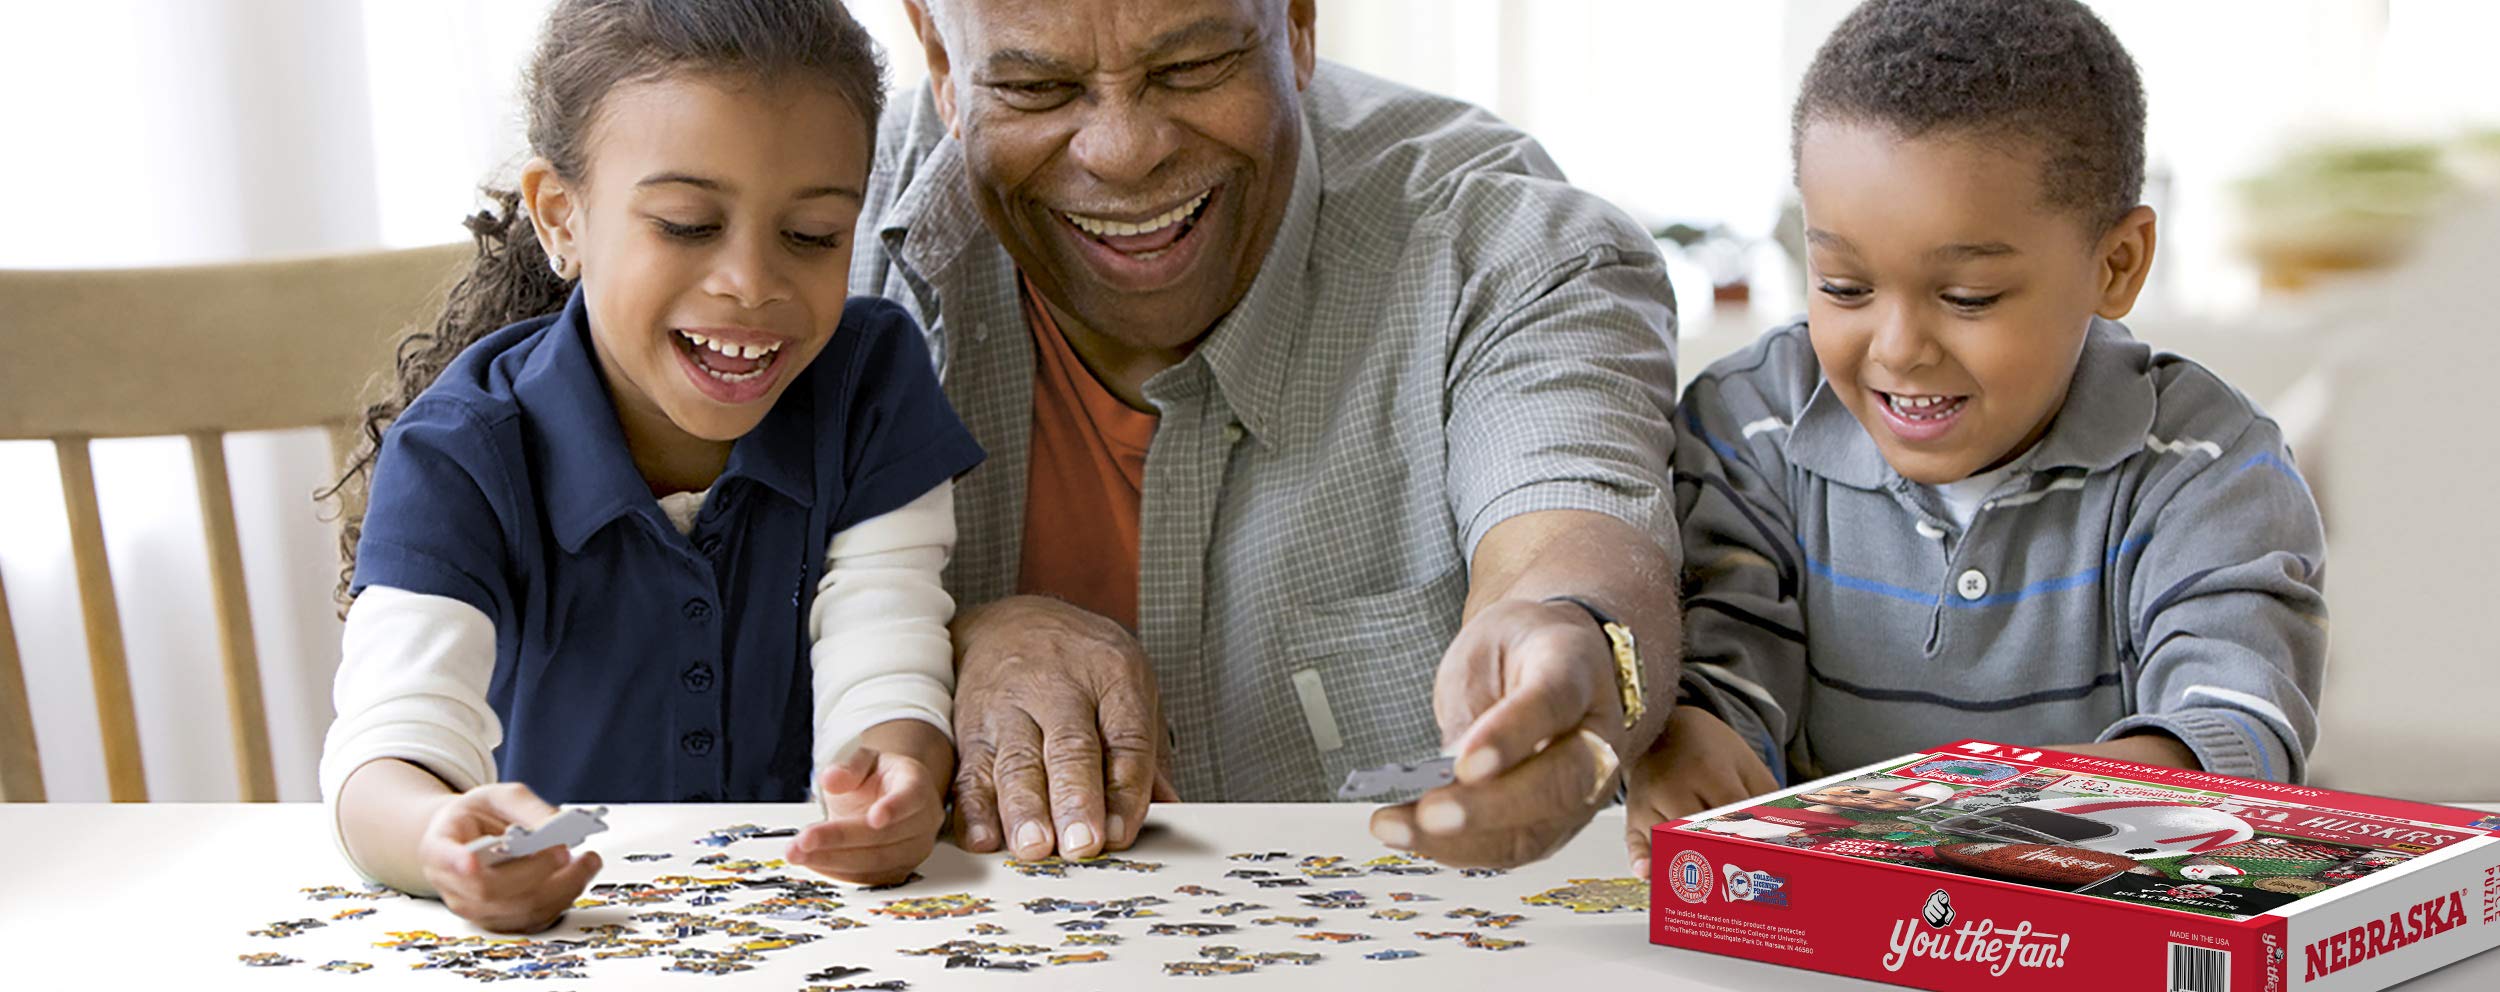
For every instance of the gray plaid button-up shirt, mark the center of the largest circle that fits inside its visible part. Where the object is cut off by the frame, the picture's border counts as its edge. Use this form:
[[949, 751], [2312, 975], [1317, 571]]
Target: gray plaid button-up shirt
[[1444, 335]]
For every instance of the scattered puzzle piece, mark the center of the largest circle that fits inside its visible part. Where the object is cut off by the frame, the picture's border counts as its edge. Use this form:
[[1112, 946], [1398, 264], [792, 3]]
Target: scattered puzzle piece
[[935, 907], [267, 959], [1596, 895], [347, 967]]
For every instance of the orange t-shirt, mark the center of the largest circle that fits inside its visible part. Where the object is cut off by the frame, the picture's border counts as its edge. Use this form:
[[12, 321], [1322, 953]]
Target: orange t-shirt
[[1085, 482]]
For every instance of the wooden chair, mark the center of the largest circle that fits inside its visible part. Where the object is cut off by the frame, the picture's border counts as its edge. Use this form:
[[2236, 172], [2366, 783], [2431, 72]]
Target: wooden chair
[[194, 351]]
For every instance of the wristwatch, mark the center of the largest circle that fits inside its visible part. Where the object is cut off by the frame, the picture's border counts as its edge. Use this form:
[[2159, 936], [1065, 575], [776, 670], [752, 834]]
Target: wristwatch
[[1628, 677]]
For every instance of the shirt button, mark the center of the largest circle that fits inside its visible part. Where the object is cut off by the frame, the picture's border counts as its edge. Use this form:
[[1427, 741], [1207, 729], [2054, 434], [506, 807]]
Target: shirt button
[[1972, 585], [697, 743], [1233, 433], [709, 545], [698, 677], [697, 609]]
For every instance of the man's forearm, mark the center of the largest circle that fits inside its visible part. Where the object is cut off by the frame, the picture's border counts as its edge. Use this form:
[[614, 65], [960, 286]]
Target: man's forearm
[[1612, 564]]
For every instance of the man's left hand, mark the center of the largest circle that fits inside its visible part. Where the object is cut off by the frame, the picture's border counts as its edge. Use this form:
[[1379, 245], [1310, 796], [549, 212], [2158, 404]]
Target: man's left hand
[[1527, 701]]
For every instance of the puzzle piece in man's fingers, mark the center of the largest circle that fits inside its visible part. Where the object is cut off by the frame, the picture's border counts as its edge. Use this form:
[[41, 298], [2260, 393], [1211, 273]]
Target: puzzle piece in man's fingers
[[567, 828], [1399, 776]]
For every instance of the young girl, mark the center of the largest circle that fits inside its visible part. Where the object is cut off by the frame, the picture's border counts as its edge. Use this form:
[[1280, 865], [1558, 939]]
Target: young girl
[[674, 533]]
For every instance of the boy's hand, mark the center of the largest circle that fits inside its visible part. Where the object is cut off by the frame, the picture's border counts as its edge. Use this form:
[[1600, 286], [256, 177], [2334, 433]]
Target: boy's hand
[[524, 895], [883, 809], [1698, 763]]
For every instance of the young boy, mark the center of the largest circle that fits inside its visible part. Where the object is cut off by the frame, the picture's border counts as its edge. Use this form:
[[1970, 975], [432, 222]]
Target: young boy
[[1960, 500]]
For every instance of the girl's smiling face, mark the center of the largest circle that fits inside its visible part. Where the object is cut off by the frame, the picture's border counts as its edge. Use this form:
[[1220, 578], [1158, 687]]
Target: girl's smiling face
[[1948, 298], [712, 234]]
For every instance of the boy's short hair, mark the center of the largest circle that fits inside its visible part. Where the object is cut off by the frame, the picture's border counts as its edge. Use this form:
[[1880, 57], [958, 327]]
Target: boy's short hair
[[2045, 71]]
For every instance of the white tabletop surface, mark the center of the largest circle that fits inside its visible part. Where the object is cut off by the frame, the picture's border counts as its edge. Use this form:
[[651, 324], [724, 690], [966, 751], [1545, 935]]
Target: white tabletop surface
[[162, 895]]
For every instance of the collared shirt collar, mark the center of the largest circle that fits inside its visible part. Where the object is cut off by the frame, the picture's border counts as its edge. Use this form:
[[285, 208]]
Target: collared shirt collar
[[1251, 348], [589, 475], [2109, 410]]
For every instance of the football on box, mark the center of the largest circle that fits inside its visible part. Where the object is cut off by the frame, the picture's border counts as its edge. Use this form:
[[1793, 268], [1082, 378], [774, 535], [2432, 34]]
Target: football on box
[[2045, 864]]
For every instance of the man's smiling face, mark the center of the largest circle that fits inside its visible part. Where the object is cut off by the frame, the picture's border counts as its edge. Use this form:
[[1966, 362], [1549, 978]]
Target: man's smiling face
[[1133, 156]]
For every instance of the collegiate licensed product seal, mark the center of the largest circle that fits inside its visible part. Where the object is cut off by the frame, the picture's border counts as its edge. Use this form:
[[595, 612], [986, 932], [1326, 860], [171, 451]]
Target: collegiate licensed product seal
[[1690, 878]]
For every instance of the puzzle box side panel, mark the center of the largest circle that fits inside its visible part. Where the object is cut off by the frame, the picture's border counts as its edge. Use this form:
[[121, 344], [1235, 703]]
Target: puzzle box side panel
[[1930, 930], [2428, 915]]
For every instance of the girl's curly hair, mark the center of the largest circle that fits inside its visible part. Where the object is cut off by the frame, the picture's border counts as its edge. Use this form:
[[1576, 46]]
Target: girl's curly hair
[[587, 49]]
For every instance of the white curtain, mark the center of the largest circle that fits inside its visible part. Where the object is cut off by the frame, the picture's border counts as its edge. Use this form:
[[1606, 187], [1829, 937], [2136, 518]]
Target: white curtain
[[165, 131]]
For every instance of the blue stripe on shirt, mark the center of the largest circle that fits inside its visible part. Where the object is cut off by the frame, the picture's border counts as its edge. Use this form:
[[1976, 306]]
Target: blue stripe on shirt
[[2078, 580]]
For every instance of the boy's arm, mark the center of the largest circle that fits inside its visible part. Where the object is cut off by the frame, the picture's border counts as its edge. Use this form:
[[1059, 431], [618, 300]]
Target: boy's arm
[[2229, 613]]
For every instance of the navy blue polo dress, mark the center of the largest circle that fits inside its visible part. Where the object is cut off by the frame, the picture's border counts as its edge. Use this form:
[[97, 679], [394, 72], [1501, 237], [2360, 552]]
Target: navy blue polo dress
[[633, 663]]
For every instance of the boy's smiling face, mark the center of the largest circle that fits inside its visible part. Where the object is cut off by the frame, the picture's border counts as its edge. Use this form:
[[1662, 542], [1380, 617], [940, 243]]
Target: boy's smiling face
[[1948, 298]]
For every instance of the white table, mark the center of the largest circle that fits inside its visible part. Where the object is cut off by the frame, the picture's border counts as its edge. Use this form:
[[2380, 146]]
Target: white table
[[160, 896]]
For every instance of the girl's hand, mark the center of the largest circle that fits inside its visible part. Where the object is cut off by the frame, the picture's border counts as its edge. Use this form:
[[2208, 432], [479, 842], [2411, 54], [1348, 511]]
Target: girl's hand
[[883, 809], [1698, 763], [524, 895]]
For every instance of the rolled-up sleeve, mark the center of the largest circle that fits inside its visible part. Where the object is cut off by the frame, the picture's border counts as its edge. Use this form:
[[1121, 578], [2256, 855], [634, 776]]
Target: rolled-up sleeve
[[1565, 400]]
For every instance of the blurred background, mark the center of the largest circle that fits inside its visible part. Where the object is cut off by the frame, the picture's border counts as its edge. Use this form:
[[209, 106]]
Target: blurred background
[[2302, 154]]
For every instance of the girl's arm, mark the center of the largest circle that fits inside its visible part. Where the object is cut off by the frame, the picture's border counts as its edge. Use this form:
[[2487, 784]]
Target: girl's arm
[[884, 683], [409, 772], [413, 726]]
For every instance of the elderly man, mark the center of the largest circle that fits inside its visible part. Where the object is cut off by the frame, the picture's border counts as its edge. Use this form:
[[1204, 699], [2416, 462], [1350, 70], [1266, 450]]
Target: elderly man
[[1328, 428]]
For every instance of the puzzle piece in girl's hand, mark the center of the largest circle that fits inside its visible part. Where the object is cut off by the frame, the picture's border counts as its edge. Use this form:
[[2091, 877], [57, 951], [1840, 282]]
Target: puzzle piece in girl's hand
[[567, 828], [1399, 776]]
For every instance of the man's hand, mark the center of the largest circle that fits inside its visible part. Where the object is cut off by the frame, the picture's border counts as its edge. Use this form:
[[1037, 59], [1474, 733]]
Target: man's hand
[[1698, 763], [884, 801], [524, 895], [1526, 698], [1059, 728]]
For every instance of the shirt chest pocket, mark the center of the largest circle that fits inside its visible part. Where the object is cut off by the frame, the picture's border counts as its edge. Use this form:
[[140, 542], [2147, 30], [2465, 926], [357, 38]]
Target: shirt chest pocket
[[1360, 672]]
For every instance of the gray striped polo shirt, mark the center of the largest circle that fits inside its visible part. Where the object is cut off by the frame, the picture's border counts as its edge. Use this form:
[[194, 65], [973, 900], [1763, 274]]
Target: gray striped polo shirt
[[2156, 563]]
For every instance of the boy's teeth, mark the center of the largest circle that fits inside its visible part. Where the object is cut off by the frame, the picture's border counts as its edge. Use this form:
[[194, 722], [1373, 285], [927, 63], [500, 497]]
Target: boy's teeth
[[1115, 229], [1920, 407]]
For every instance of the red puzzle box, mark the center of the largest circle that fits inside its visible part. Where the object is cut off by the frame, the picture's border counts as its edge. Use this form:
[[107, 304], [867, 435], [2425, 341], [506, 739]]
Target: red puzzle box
[[1981, 866]]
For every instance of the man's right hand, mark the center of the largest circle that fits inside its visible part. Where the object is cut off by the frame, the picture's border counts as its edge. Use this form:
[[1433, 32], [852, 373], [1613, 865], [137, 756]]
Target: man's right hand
[[1058, 731], [1698, 763], [524, 895]]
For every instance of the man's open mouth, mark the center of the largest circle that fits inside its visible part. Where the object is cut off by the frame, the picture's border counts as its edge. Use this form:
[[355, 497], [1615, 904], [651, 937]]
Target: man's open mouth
[[1144, 239]]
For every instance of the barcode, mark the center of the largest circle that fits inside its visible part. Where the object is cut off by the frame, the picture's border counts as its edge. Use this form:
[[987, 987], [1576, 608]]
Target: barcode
[[2199, 969]]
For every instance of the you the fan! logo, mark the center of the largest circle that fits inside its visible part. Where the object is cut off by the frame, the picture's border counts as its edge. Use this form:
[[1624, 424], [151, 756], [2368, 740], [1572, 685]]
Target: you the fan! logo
[[1981, 941]]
